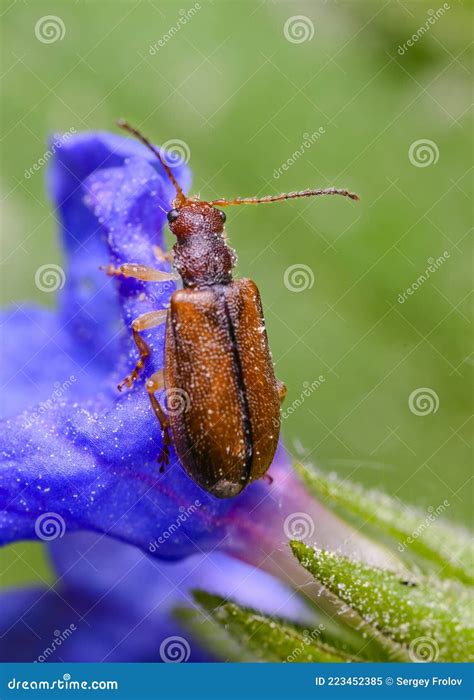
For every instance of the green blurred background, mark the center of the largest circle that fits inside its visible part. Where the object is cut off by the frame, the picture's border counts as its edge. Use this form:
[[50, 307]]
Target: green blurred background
[[241, 95]]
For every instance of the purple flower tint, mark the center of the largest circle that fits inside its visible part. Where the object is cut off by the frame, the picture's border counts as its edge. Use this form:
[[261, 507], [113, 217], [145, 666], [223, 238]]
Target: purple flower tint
[[76, 454], [113, 603]]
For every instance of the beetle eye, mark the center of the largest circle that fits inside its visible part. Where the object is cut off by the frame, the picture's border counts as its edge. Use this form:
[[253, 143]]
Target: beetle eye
[[172, 215], [222, 215]]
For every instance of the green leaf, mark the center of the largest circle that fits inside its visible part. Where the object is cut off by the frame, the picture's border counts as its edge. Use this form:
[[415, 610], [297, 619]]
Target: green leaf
[[212, 635], [428, 621], [434, 544], [259, 637]]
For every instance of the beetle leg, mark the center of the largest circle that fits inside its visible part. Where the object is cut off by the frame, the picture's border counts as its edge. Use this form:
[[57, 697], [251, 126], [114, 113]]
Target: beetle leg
[[149, 320], [156, 383], [139, 272], [144, 350], [281, 390], [141, 323], [162, 255]]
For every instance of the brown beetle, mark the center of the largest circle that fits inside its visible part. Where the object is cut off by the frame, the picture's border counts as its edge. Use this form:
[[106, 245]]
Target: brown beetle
[[218, 365]]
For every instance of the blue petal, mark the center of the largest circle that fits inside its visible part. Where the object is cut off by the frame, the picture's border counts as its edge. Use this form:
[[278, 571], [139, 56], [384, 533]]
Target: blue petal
[[89, 304], [39, 362], [113, 603], [122, 612], [41, 351], [97, 470], [128, 203]]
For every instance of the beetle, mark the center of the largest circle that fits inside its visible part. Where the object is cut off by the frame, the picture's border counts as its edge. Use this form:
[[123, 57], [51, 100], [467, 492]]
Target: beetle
[[217, 363]]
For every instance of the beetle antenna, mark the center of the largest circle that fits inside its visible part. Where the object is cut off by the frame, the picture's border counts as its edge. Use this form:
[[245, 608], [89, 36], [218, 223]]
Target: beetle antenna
[[281, 197], [123, 124]]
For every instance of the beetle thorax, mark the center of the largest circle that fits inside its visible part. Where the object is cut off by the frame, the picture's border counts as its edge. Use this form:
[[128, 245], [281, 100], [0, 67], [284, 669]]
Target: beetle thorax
[[201, 254]]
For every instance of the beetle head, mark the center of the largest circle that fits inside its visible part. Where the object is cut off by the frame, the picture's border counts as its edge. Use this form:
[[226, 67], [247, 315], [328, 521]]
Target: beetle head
[[196, 217]]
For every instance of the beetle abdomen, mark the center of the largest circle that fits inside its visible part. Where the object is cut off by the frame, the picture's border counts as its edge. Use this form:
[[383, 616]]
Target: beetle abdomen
[[218, 361]]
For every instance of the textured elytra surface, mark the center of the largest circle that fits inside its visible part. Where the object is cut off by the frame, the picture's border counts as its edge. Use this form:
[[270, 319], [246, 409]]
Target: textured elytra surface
[[217, 355]]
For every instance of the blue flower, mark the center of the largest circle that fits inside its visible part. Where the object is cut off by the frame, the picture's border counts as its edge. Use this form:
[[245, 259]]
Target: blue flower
[[72, 445], [78, 456]]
